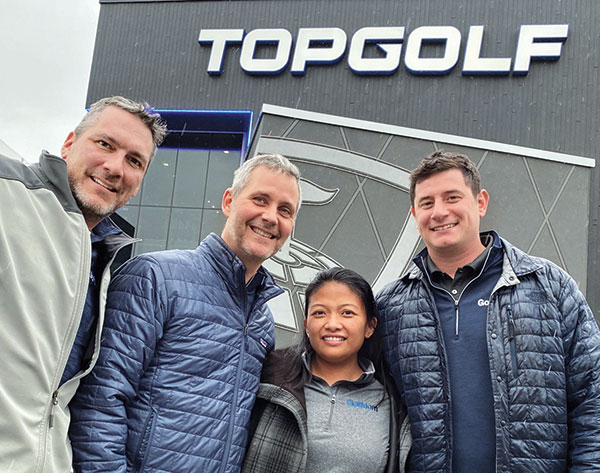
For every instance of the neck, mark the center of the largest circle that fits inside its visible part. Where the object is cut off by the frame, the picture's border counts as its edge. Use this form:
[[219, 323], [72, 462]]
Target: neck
[[250, 274], [449, 263], [91, 224], [332, 373]]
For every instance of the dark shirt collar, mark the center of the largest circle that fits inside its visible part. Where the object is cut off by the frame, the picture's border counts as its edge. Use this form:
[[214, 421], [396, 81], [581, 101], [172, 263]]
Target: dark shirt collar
[[474, 267], [105, 228]]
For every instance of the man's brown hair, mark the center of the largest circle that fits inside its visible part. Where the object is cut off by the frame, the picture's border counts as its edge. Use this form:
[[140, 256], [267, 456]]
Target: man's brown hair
[[440, 161]]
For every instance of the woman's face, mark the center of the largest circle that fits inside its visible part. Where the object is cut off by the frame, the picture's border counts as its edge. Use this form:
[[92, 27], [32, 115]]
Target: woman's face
[[337, 324]]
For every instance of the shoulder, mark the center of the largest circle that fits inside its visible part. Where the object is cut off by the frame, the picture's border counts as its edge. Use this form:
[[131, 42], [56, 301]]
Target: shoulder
[[161, 266], [524, 264], [398, 290], [543, 282]]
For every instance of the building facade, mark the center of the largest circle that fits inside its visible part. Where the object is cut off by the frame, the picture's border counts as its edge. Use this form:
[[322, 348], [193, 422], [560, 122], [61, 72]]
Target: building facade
[[356, 93]]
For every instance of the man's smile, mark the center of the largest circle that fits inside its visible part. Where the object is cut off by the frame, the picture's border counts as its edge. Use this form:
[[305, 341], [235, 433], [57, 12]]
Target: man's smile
[[262, 233], [444, 227], [103, 184]]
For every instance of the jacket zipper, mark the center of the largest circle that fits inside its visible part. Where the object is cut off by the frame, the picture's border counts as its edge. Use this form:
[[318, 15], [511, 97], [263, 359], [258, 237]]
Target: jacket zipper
[[332, 406], [238, 375], [513, 344], [457, 300], [52, 407], [83, 293]]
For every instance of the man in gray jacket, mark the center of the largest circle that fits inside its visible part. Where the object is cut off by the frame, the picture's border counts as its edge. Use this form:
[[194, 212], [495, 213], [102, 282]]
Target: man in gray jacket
[[56, 246], [495, 352]]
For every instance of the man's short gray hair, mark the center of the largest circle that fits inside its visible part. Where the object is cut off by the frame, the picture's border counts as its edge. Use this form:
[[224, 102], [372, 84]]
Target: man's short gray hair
[[142, 110], [275, 162]]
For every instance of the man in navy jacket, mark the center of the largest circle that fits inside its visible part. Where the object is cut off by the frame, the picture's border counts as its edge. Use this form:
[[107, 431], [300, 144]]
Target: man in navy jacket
[[184, 339], [495, 352]]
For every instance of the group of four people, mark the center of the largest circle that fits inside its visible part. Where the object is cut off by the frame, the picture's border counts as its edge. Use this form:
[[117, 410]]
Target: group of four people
[[479, 358]]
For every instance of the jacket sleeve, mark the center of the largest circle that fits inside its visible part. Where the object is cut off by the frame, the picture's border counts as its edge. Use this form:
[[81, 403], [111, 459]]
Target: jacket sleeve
[[134, 318], [581, 338]]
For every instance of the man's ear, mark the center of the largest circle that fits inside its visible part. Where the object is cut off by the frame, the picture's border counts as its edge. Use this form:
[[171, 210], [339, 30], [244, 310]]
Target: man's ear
[[66, 147], [412, 210], [227, 202], [483, 199]]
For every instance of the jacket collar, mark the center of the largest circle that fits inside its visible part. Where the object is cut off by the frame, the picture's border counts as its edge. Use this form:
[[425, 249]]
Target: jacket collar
[[116, 237], [53, 171], [233, 270], [515, 263]]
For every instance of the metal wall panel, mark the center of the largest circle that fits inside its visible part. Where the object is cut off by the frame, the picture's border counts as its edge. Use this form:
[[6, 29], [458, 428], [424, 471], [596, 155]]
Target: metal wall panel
[[356, 212]]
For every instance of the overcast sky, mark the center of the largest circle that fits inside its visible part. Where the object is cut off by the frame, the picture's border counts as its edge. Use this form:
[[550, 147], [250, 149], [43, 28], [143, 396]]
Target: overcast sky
[[45, 57]]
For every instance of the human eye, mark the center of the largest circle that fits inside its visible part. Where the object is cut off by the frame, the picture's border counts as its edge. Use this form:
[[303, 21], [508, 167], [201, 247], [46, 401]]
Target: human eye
[[259, 200], [453, 198], [104, 144], [317, 313], [285, 211], [348, 313], [426, 204], [135, 162]]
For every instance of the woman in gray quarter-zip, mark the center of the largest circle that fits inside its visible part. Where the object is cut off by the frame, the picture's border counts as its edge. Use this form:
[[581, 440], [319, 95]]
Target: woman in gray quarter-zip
[[327, 404]]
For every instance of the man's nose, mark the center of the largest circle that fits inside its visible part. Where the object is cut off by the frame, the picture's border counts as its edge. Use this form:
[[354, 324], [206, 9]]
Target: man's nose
[[439, 210], [270, 214], [114, 165]]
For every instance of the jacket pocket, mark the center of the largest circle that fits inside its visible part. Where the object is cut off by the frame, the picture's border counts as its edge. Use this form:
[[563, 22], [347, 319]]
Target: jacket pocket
[[145, 441], [512, 331]]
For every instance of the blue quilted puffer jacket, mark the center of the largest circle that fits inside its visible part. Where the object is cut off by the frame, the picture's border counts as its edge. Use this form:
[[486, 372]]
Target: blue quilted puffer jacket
[[179, 366], [544, 355]]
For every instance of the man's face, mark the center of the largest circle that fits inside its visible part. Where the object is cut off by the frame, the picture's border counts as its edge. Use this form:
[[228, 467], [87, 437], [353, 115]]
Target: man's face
[[106, 162], [448, 214], [261, 217]]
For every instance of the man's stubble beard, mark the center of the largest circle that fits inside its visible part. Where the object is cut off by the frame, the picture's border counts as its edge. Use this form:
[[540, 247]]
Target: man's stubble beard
[[91, 212]]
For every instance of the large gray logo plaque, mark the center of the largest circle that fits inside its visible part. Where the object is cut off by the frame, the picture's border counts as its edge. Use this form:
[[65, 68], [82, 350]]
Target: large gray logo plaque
[[356, 209]]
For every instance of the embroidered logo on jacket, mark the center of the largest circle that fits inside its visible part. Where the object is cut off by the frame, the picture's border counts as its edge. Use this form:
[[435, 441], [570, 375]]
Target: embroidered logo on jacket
[[362, 405]]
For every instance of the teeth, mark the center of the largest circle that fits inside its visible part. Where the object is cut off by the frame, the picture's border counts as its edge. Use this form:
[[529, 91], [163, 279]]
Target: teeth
[[102, 184], [262, 233], [336, 339], [445, 227]]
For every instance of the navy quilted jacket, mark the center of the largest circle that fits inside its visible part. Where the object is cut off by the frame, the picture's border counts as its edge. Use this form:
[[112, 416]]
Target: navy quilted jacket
[[179, 366], [544, 355]]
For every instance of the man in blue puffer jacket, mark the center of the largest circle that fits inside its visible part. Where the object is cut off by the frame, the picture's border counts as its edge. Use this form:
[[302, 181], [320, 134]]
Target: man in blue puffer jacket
[[496, 353], [184, 339]]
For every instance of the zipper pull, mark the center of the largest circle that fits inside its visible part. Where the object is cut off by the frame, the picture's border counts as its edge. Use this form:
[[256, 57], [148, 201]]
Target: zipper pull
[[54, 404], [512, 328], [456, 320], [333, 399], [245, 330]]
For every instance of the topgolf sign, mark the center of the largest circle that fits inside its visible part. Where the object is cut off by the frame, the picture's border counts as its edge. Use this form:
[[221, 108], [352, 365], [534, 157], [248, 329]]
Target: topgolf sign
[[323, 46]]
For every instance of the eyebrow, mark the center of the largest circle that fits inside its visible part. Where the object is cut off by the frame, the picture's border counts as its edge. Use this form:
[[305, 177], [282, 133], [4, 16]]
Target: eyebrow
[[347, 304]]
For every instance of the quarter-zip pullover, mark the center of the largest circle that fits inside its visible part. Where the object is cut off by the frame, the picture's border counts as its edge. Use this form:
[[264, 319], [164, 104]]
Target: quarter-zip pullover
[[348, 424], [462, 309]]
